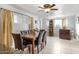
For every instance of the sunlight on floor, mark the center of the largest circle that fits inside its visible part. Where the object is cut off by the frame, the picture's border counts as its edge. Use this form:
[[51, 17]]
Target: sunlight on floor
[[60, 46], [56, 48]]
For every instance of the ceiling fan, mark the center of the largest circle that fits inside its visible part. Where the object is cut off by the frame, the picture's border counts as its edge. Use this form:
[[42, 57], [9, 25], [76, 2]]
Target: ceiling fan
[[48, 7]]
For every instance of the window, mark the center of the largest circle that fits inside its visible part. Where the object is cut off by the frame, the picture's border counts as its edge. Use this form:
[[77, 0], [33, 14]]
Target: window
[[47, 23], [20, 23], [15, 19], [58, 23], [77, 28]]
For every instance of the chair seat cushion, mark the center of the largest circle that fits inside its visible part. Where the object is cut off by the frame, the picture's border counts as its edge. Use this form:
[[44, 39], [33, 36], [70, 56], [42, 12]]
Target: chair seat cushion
[[26, 42]]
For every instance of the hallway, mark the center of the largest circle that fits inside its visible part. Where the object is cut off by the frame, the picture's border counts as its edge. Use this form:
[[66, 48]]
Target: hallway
[[60, 46]]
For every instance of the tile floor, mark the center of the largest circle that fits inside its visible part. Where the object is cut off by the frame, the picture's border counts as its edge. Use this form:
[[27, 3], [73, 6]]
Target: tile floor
[[57, 46], [60, 46]]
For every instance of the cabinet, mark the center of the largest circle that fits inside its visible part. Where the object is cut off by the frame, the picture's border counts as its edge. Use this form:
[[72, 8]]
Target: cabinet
[[51, 28], [64, 34]]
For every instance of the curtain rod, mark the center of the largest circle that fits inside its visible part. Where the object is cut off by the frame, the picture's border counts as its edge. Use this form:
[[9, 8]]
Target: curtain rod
[[17, 12]]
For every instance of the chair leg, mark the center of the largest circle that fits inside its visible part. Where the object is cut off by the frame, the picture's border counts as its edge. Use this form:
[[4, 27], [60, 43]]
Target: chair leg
[[38, 49], [45, 42], [23, 48], [42, 45], [29, 48]]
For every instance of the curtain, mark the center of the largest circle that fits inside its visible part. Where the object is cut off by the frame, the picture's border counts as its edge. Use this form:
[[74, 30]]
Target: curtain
[[31, 25], [7, 17]]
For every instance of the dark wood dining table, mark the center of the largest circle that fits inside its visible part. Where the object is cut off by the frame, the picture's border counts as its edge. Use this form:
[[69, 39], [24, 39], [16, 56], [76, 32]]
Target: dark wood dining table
[[32, 38]]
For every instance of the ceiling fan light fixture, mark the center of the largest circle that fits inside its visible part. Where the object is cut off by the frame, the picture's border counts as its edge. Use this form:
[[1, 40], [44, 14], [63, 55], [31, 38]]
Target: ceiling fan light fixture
[[47, 10], [48, 7]]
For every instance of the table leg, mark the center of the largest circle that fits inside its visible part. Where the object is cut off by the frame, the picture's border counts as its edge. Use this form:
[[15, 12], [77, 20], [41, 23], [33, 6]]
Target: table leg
[[33, 46]]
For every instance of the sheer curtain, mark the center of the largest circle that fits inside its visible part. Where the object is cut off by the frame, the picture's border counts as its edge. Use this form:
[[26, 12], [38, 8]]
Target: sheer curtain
[[21, 22]]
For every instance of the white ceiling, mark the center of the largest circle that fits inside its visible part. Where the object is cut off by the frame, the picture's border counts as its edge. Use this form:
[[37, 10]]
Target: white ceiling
[[33, 8], [62, 9]]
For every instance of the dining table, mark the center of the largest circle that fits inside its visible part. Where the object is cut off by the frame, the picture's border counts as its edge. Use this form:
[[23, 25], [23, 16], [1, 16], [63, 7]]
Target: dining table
[[32, 38]]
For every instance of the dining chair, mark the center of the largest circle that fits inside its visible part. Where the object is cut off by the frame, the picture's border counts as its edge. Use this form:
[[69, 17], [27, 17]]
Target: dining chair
[[38, 41], [44, 40], [17, 41], [19, 44], [26, 42], [24, 32]]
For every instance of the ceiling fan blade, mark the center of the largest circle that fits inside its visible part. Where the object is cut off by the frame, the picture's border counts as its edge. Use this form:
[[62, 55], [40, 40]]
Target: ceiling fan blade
[[40, 10], [53, 5], [54, 9], [41, 7]]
